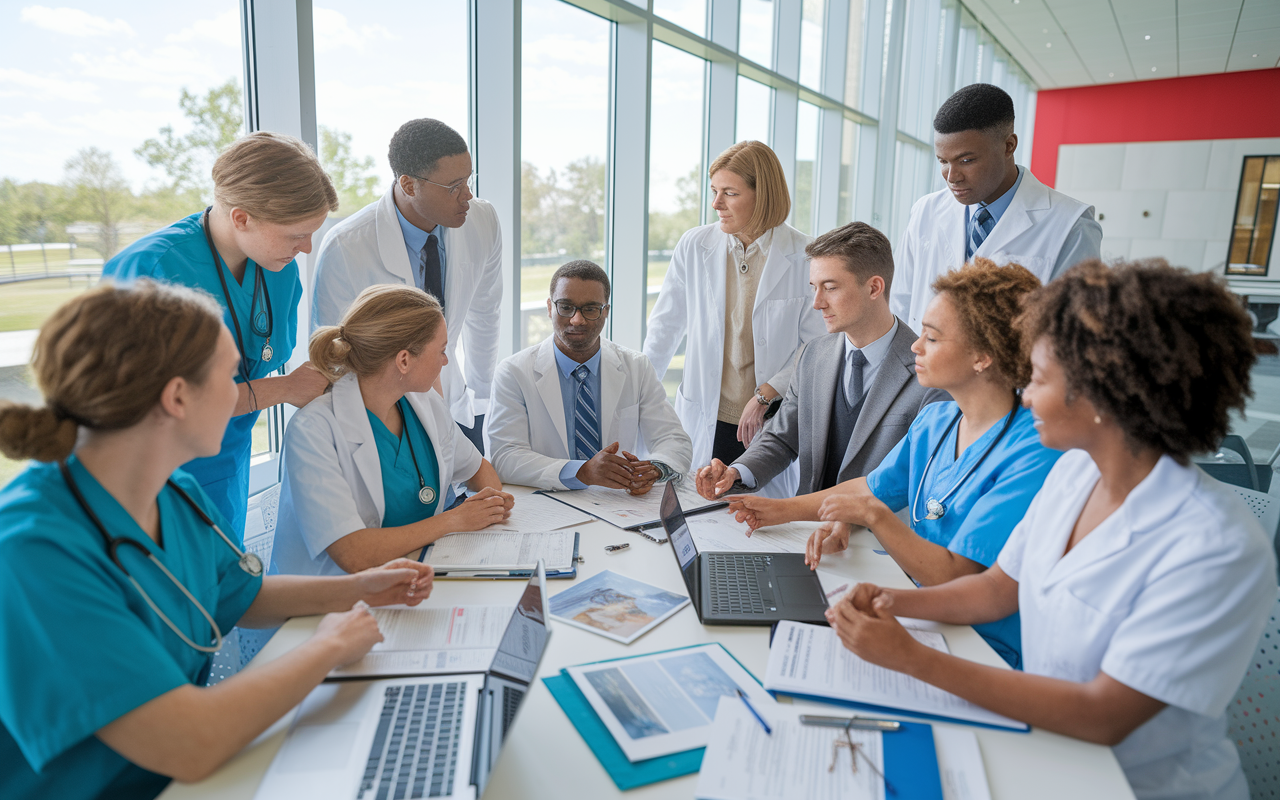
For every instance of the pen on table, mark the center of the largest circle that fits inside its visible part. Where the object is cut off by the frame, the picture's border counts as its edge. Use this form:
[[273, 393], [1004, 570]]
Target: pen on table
[[609, 548], [854, 723], [755, 713], [837, 590]]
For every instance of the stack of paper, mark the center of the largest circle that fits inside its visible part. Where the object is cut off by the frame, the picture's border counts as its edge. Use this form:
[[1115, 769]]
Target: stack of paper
[[628, 511], [489, 552], [430, 641], [809, 661]]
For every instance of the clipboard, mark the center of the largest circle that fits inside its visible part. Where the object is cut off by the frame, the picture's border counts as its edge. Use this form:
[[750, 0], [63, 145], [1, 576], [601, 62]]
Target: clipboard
[[511, 574]]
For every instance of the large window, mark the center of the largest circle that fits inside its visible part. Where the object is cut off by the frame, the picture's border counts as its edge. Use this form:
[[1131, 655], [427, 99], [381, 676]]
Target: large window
[[1255, 220], [112, 115], [688, 14], [755, 31], [811, 24], [367, 87], [755, 107], [802, 209], [564, 140]]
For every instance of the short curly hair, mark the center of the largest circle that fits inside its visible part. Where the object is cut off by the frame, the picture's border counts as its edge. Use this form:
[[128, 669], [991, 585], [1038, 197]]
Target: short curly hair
[[1163, 351], [988, 297], [419, 145]]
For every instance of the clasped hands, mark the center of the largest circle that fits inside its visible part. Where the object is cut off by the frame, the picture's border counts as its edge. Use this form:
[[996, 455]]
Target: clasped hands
[[864, 621], [619, 470]]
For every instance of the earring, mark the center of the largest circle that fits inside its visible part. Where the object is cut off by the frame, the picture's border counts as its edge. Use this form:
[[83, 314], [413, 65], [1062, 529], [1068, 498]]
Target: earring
[[1097, 419]]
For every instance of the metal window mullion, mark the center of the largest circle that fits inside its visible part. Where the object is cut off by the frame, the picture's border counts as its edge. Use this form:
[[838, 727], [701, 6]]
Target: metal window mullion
[[886, 140], [786, 62]]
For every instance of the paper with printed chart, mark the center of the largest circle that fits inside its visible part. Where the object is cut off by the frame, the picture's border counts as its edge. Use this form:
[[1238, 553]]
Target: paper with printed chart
[[627, 511], [431, 641], [811, 660], [795, 762]]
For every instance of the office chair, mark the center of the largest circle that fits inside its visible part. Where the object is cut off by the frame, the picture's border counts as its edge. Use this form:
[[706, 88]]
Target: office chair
[[1245, 474], [1253, 715]]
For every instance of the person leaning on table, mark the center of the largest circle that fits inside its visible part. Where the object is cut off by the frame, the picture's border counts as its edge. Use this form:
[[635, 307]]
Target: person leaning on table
[[739, 289], [101, 692], [270, 195], [367, 466], [1143, 584], [855, 390], [567, 412], [966, 470]]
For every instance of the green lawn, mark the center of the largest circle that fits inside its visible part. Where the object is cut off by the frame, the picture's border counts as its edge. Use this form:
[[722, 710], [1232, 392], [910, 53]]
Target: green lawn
[[26, 305]]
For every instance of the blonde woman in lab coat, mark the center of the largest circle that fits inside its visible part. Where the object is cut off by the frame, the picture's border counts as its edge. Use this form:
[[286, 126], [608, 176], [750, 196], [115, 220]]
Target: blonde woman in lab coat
[[739, 288], [1143, 584]]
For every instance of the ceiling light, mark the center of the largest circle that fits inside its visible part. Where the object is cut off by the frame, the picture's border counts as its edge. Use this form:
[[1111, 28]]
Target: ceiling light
[[1153, 69], [1048, 44], [1255, 55], [1046, 30], [1111, 74], [1147, 37]]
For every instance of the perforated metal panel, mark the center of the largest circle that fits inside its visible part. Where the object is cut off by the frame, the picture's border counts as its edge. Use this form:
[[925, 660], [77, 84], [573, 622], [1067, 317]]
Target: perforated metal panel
[[1253, 716], [1265, 507]]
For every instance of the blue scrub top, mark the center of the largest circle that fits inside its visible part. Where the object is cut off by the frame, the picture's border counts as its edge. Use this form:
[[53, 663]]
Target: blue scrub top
[[79, 647], [984, 510], [400, 485], [180, 254]]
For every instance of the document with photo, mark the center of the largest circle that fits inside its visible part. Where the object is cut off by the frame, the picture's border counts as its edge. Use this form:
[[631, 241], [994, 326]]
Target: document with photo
[[664, 703], [615, 606]]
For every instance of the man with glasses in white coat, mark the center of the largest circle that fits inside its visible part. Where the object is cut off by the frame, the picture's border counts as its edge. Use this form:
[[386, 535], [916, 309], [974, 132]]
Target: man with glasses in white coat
[[428, 231], [578, 410]]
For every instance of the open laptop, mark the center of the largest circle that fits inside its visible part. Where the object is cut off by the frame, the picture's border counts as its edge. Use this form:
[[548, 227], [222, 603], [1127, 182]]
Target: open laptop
[[742, 588], [436, 736]]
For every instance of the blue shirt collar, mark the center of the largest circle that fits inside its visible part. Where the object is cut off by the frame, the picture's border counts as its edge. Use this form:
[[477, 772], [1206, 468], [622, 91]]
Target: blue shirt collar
[[568, 365], [998, 206], [415, 238]]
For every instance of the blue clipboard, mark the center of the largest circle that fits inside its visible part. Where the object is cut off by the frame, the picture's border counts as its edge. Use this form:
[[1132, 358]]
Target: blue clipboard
[[890, 710]]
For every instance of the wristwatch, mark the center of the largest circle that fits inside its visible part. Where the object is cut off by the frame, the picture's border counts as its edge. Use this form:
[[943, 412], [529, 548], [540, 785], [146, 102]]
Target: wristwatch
[[761, 399]]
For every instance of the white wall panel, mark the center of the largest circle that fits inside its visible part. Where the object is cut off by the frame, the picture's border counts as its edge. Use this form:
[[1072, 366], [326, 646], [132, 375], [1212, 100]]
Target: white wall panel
[[1165, 165], [1198, 215], [1188, 254]]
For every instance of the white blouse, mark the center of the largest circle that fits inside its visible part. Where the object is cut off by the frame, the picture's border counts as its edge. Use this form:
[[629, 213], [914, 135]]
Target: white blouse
[[1168, 596]]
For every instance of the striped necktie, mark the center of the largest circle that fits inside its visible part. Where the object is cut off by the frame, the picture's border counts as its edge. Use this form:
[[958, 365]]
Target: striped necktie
[[586, 421], [983, 222]]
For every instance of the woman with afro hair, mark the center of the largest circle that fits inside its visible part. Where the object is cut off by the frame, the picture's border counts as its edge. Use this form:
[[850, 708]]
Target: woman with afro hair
[[1143, 584]]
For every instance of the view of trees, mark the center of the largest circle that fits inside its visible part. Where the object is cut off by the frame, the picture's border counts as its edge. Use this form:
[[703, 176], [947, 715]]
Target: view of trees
[[94, 192]]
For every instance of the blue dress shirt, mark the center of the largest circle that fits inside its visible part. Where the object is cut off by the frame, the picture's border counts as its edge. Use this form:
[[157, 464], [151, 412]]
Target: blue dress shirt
[[569, 396], [415, 239]]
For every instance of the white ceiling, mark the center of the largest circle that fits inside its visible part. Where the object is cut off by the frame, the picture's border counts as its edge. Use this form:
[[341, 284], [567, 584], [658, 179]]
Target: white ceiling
[[1084, 42]]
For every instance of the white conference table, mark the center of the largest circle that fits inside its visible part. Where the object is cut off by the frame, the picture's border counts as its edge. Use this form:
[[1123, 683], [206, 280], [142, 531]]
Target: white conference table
[[544, 757]]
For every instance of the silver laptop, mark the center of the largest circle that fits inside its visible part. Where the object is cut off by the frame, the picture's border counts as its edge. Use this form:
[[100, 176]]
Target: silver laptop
[[436, 736]]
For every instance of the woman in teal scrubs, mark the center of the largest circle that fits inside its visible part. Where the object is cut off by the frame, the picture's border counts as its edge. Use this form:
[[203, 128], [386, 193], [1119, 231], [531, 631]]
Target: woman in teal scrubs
[[967, 469], [116, 579], [270, 195], [368, 466]]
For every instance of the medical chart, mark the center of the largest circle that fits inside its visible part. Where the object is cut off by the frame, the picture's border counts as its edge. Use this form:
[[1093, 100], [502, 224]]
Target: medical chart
[[625, 510], [535, 512], [429, 641], [718, 531], [796, 762], [472, 552], [960, 764], [810, 660]]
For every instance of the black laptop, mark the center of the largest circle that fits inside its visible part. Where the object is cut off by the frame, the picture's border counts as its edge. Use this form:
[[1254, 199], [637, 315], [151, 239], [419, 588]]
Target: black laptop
[[742, 588]]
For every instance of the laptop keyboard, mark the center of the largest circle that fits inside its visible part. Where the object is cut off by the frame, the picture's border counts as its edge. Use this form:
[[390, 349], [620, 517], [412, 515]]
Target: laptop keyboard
[[511, 698], [415, 750], [734, 587]]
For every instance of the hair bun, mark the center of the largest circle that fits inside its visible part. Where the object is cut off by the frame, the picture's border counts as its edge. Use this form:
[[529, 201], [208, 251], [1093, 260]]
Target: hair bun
[[38, 433]]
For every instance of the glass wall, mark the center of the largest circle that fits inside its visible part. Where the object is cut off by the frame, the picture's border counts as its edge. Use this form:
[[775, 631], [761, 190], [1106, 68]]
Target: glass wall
[[755, 107], [364, 92], [755, 31], [802, 205], [564, 140], [112, 115], [688, 14], [811, 24]]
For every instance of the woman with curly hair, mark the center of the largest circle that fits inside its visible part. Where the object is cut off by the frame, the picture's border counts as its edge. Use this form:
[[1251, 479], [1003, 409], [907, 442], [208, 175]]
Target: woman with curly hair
[[967, 469], [1142, 583]]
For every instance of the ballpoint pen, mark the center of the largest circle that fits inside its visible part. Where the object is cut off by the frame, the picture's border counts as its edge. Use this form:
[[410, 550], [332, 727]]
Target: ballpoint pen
[[755, 713], [852, 723]]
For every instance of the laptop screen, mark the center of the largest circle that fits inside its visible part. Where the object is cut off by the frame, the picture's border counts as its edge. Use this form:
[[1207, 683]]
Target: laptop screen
[[526, 636], [677, 530]]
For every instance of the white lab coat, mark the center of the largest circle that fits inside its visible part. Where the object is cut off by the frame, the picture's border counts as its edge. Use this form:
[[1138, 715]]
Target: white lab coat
[[526, 426], [692, 302], [1169, 596], [332, 478], [1031, 232], [367, 248]]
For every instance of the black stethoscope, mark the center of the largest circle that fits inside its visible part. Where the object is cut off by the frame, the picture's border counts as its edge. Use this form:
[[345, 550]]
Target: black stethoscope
[[426, 494], [259, 285], [249, 562], [938, 508]]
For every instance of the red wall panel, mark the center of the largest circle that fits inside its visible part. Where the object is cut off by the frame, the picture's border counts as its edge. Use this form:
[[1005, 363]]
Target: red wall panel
[[1229, 105]]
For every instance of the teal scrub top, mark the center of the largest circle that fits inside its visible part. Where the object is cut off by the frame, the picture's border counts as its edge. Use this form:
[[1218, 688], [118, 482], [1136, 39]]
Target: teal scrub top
[[79, 647], [180, 254], [400, 485], [984, 510]]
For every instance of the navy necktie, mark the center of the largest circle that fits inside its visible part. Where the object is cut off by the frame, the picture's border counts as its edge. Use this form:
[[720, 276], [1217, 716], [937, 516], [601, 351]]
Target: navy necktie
[[983, 222], [429, 266], [586, 422], [853, 376]]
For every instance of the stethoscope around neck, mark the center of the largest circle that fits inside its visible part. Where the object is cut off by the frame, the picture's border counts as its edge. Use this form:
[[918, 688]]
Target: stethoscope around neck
[[936, 509], [249, 562]]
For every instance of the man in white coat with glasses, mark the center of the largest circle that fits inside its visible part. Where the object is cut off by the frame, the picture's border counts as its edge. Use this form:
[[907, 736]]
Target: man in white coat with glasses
[[990, 207], [428, 231]]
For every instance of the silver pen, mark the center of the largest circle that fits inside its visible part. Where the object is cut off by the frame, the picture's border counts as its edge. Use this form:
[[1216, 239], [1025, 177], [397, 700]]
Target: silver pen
[[853, 723]]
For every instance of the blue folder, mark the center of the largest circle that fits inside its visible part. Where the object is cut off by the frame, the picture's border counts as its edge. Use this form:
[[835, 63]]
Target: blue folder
[[910, 761]]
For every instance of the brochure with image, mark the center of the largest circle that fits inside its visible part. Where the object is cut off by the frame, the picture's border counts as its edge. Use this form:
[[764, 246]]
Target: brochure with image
[[615, 606]]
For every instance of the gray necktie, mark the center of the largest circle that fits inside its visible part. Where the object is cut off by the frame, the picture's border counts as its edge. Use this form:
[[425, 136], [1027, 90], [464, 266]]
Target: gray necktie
[[853, 363]]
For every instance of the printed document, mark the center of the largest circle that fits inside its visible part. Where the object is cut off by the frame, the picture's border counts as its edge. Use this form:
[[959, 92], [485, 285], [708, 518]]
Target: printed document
[[960, 764], [810, 660], [535, 512], [431, 641], [617, 507], [718, 531], [480, 552], [796, 762]]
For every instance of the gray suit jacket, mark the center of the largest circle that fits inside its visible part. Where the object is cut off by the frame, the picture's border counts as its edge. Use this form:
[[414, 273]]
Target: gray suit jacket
[[799, 429]]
